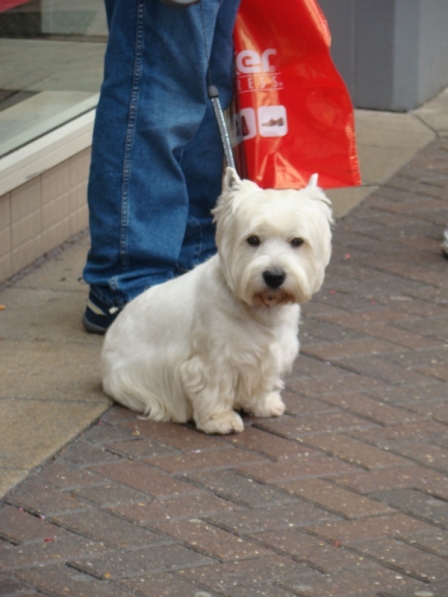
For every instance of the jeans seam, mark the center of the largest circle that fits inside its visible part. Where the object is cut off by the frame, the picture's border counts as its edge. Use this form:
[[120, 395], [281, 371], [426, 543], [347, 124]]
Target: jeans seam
[[106, 298], [130, 130], [200, 241]]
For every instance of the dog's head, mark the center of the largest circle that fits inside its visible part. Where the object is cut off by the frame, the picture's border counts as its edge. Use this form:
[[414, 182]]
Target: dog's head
[[274, 245]]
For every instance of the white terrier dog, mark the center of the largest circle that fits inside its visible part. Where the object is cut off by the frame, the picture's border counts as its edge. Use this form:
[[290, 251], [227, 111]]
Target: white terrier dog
[[219, 338]]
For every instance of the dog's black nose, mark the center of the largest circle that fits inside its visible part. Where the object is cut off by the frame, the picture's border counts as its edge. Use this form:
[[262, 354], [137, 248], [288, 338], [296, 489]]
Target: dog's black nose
[[274, 279]]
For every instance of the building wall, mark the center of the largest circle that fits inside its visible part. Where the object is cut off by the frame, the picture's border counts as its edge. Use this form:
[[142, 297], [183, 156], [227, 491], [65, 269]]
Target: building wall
[[43, 213], [392, 54]]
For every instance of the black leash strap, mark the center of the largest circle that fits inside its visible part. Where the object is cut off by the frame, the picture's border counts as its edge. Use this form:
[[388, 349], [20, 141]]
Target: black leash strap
[[213, 94]]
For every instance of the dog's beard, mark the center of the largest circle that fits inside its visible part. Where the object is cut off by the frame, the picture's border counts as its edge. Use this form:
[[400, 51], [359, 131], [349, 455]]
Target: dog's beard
[[252, 290], [272, 298]]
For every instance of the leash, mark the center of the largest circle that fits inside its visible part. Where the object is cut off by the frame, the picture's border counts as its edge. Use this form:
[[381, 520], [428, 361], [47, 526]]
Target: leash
[[213, 94], [212, 90]]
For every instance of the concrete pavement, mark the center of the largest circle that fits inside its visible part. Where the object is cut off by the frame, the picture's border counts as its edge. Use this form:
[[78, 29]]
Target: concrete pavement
[[345, 495]]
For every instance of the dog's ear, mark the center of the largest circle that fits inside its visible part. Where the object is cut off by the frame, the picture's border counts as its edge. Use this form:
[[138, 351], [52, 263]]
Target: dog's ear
[[232, 182], [313, 191], [234, 190], [312, 183]]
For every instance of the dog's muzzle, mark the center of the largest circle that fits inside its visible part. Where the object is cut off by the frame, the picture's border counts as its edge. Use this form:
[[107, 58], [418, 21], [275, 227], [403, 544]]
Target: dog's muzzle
[[273, 294]]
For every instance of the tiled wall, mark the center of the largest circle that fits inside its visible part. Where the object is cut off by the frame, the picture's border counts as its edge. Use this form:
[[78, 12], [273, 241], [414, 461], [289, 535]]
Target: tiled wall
[[43, 213]]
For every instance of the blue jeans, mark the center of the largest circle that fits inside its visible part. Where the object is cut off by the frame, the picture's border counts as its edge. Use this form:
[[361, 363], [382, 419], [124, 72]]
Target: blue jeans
[[157, 155]]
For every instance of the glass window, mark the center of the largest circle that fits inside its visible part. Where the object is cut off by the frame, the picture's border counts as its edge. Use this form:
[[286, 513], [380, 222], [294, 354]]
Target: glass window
[[51, 65]]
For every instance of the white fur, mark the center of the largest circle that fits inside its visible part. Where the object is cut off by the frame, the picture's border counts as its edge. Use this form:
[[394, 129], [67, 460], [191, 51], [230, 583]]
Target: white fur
[[219, 339]]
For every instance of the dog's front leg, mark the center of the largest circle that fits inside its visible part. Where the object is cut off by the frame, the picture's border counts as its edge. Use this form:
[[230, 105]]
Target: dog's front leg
[[212, 397], [264, 399], [266, 405], [224, 422]]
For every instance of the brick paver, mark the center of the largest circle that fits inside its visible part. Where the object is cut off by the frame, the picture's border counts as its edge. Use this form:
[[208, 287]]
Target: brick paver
[[346, 495]]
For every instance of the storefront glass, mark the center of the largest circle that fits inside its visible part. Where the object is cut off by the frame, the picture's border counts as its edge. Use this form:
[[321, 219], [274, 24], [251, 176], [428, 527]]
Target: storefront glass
[[51, 65]]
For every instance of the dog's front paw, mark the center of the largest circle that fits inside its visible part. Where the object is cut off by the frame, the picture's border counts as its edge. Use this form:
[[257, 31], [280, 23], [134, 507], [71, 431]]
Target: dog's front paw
[[271, 405], [222, 423]]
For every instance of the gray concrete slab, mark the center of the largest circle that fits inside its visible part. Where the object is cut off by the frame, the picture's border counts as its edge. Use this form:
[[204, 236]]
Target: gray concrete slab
[[62, 273], [435, 113], [38, 315], [50, 382], [386, 141], [34, 430]]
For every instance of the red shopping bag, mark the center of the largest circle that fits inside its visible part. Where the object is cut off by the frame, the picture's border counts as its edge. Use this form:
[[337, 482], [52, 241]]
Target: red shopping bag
[[293, 113]]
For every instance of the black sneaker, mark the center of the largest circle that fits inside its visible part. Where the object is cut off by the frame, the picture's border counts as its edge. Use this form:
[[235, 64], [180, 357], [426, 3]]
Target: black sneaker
[[99, 315]]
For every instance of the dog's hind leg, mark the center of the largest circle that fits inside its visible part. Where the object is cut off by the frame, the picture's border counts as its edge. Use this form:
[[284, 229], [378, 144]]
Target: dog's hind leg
[[211, 397], [124, 389]]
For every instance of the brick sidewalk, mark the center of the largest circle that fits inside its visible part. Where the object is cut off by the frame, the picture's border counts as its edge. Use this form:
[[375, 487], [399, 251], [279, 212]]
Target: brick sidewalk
[[346, 495]]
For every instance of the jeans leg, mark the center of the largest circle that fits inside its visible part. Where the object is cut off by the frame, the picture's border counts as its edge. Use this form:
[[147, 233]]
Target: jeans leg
[[152, 103], [202, 159]]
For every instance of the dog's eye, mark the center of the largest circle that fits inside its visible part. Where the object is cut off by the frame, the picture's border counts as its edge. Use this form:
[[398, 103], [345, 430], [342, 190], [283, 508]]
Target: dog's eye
[[253, 241], [296, 242]]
